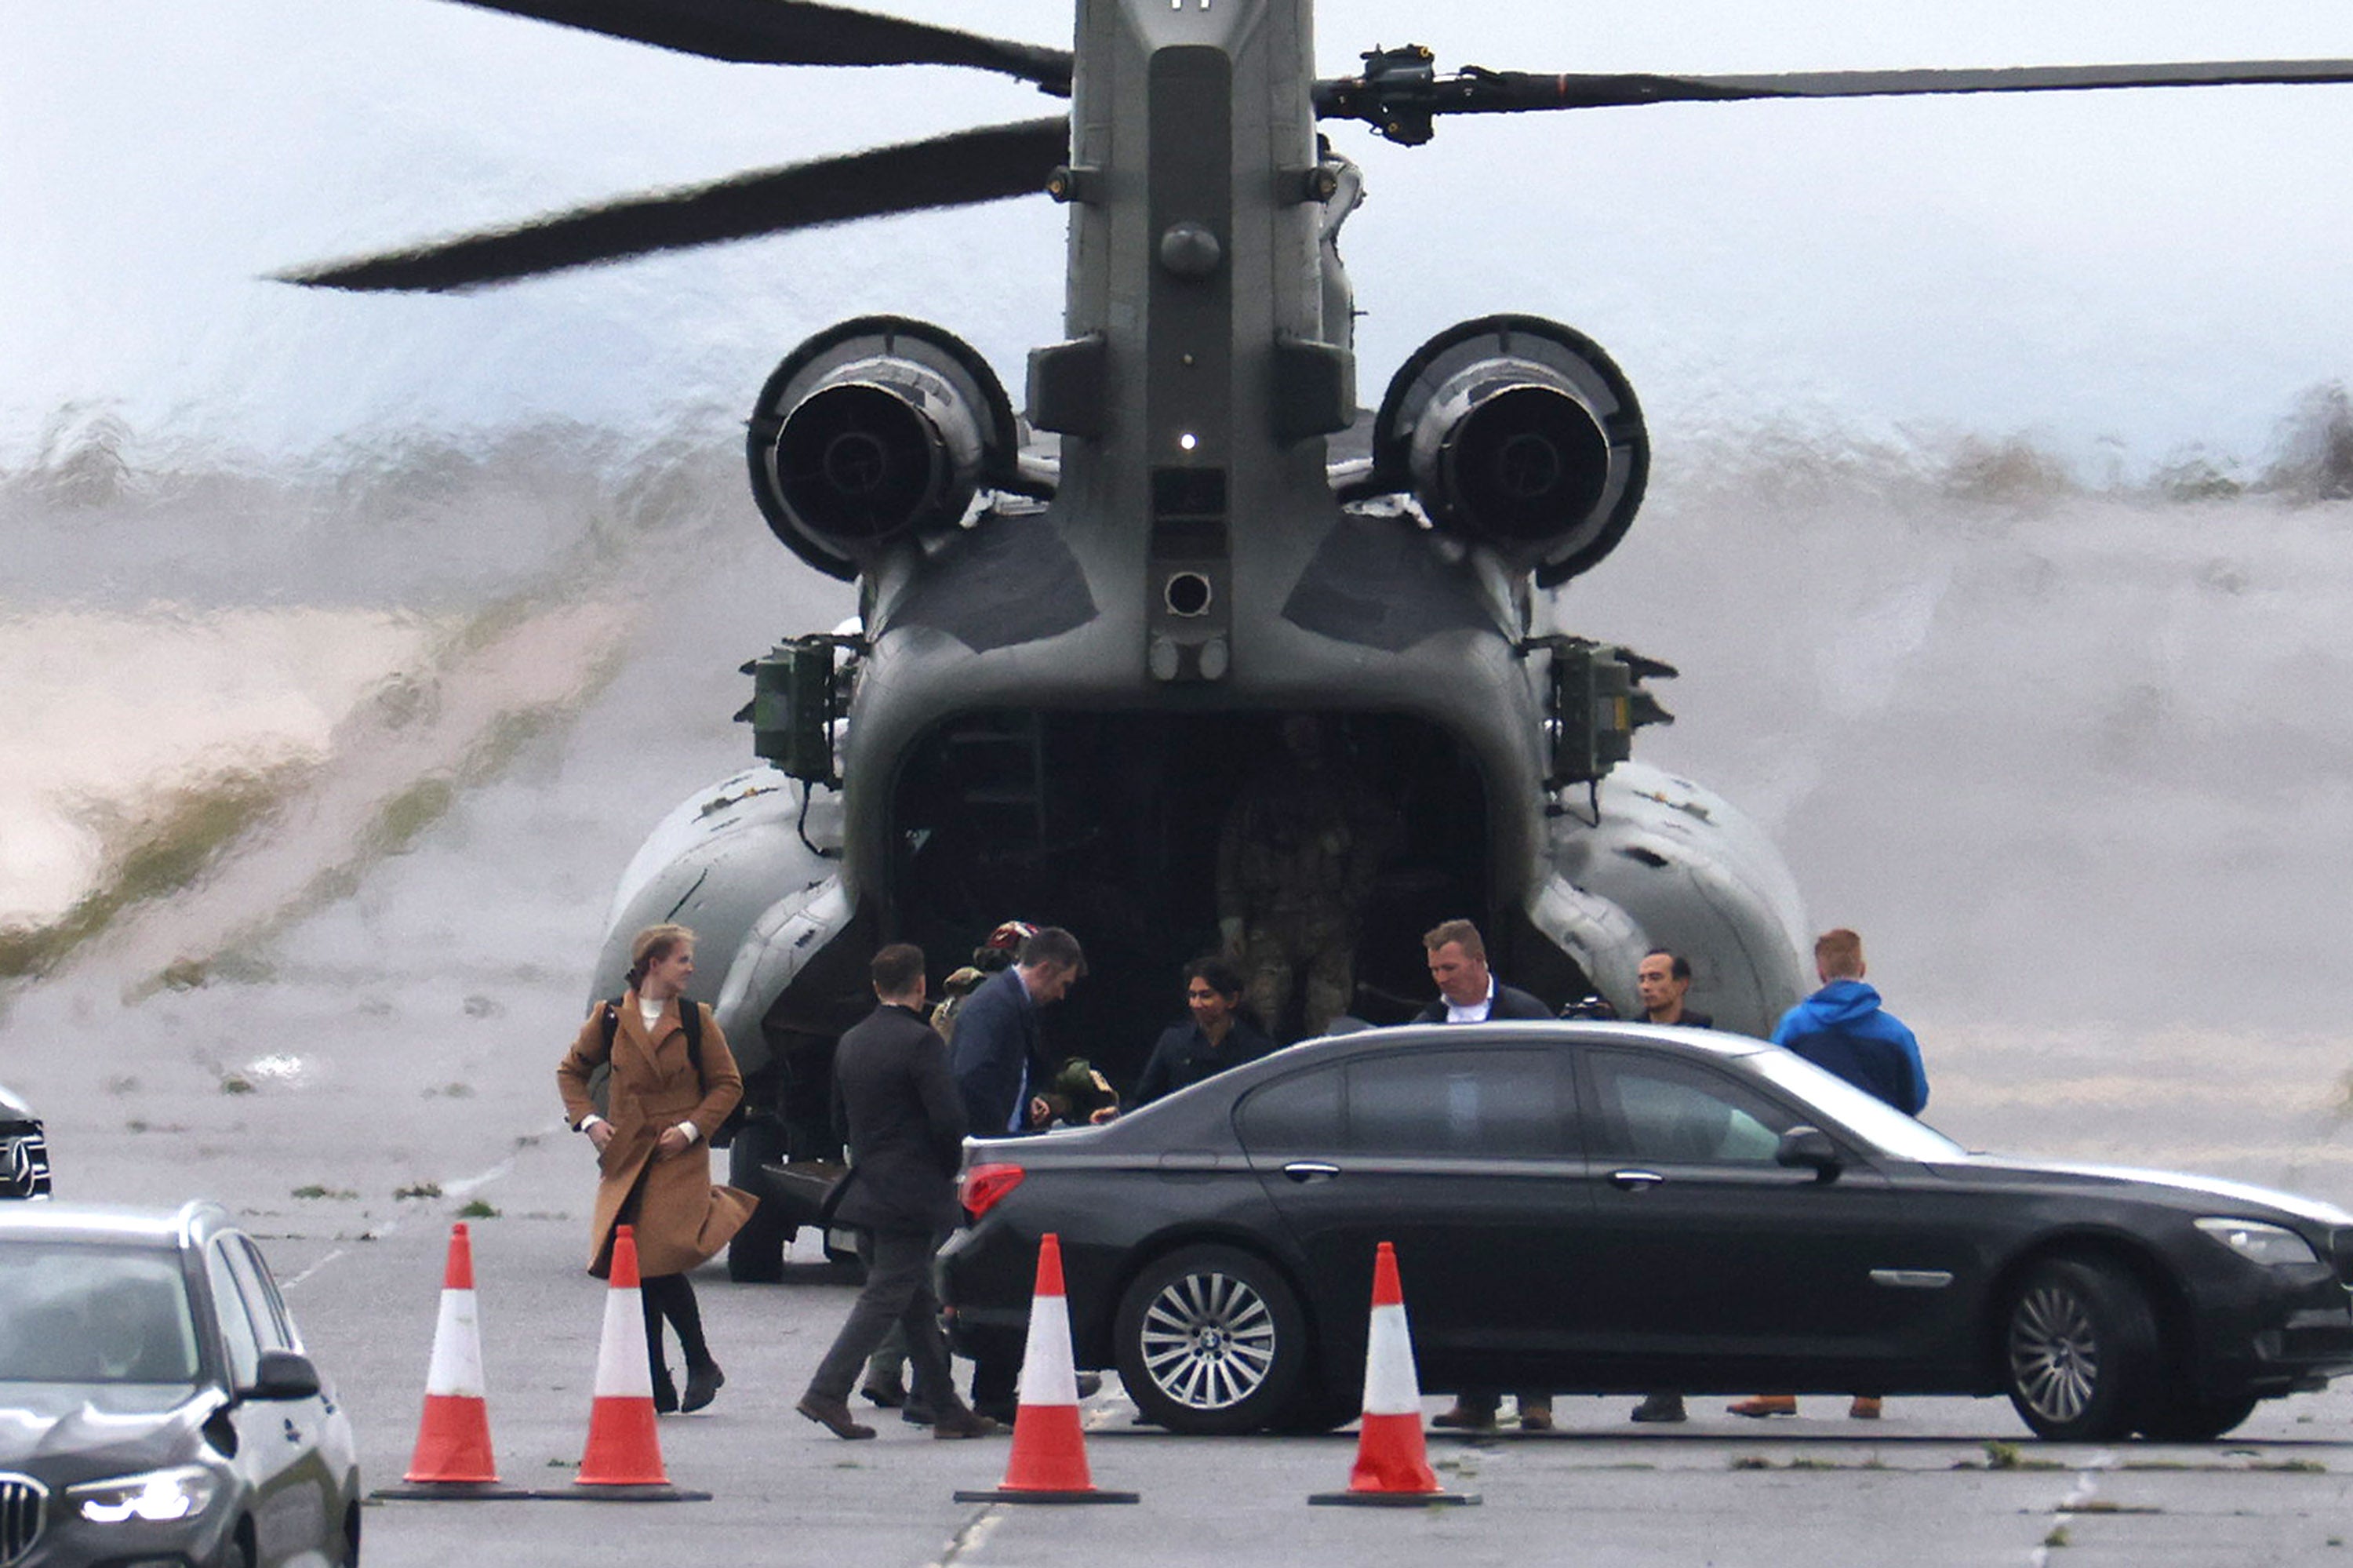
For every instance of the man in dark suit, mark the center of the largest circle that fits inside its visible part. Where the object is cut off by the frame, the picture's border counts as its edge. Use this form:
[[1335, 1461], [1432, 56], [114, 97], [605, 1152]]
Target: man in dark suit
[[903, 1121], [1469, 992], [997, 1031], [1662, 980], [1220, 1036], [993, 1059]]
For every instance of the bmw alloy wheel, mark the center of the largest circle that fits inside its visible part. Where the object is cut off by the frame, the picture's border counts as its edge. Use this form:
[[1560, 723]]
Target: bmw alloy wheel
[[2079, 1351], [2054, 1352], [1210, 1340]]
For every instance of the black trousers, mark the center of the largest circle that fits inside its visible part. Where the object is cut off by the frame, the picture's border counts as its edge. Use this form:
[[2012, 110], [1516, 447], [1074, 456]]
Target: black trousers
[[672, 1296], [897, 1290]]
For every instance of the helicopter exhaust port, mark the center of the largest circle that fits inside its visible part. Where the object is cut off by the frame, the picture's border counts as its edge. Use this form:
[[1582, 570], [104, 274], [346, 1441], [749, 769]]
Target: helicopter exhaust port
[[873, 431], [1521, 435]]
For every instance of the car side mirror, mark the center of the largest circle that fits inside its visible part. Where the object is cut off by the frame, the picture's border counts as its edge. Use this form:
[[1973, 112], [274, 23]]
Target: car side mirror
[[282, 1374], [1809, 1148]]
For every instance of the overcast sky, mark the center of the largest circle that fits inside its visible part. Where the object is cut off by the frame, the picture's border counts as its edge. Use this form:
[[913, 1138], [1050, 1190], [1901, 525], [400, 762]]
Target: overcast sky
[[2123, 275]]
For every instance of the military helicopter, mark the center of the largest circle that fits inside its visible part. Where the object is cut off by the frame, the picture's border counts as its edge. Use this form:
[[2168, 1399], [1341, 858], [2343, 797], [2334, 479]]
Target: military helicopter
[[1082, 627]]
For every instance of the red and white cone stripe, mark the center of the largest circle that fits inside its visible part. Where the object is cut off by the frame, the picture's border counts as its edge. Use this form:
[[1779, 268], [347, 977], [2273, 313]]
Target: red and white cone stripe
[[622, 1370], [1392, 1464], [1390, 1453], [453, 1440], [1049, 1462], [622, 1449], [1050, 1451]]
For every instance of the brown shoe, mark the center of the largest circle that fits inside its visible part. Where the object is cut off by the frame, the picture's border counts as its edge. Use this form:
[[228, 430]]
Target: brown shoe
[[1865, 1408], [833, 1414], [1535, 1417], [1466, 1418], [1765, 1404], [963, 1424]]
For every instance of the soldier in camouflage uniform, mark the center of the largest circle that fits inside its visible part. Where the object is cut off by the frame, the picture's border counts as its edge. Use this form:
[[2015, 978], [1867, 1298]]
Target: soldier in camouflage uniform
[[1302, 845], [996, 954]]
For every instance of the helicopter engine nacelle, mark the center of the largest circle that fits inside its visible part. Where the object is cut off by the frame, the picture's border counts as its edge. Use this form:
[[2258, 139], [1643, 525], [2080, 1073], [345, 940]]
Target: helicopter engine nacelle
[[874, 430], [1521, 435]]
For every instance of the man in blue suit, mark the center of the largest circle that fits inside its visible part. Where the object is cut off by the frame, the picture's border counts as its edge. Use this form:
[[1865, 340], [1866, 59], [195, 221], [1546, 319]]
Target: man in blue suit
[[996, 1040], [993, 1057]]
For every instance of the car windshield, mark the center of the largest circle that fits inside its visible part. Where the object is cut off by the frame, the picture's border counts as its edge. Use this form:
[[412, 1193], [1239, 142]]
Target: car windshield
[[79, 1313], [1885, 1127]]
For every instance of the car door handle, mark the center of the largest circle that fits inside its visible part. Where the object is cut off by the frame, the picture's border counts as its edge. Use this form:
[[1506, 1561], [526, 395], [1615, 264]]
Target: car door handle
[[1305, 1170], [1635, 1180]]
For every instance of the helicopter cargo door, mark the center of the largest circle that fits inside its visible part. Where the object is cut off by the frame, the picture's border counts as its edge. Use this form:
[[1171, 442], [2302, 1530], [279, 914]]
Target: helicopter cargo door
[[1139, 831]]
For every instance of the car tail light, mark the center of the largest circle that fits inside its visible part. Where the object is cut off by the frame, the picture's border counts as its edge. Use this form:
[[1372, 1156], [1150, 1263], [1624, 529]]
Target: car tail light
[[985, 1185]]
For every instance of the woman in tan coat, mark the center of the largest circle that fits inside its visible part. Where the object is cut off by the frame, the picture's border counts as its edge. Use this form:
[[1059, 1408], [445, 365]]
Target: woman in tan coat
[[653, 1143]]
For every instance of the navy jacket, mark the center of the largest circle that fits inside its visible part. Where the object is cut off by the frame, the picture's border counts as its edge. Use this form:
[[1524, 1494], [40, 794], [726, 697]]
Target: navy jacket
[[995, 1040], [1184, 1056], [1511, 1002], [1842, 1028]]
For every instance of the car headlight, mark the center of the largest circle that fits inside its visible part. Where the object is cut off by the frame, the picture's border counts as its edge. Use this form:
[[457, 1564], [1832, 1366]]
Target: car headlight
[[2274, 1245], [159, 1495]]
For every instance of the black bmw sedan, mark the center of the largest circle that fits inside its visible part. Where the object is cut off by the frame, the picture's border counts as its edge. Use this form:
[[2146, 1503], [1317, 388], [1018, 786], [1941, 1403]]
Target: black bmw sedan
[[1618, 1208], [156, 1407]]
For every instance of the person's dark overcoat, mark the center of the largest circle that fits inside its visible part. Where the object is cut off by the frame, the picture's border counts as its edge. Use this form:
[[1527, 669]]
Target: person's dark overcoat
[[1183, 1056], [995, 1040], [1511, 1002], [903, 1120], [681, 1219]]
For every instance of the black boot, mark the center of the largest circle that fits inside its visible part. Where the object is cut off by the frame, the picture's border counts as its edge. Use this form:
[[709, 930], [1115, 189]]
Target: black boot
[[702, 1384]]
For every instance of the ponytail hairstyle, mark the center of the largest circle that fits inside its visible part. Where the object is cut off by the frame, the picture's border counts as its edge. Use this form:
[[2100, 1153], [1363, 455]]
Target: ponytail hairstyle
[[652, 943]]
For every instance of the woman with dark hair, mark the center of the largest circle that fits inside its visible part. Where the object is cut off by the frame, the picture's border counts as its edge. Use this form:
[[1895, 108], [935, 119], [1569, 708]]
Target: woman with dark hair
[[670, 1086], [1220, 1034]]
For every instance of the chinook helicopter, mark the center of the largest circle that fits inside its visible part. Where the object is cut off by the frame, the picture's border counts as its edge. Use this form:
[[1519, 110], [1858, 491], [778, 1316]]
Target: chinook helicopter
[[1082, 625]]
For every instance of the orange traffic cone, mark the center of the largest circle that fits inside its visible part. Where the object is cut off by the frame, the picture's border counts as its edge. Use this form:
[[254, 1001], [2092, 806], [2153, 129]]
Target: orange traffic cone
[[623, 1459], [453, 1458], [1392, 1465], [1049, 1462]]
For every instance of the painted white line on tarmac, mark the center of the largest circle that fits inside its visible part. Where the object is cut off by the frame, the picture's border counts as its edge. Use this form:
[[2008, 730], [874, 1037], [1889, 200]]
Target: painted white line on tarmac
[[291, 1283], [2087, 1484], [467, 1186], [970, 1537]]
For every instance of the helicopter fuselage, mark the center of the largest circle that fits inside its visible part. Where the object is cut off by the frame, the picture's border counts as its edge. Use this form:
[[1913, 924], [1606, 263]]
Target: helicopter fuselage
[[1071, 664]]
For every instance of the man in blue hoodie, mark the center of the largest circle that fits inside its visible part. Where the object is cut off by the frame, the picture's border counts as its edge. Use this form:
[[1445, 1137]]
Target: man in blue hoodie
[[1842, 1028]]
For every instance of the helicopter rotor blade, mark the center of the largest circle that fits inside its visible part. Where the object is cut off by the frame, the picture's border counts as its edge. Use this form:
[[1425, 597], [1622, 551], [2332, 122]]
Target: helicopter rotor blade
[[962, 169], [1400, 93], [795, 32]]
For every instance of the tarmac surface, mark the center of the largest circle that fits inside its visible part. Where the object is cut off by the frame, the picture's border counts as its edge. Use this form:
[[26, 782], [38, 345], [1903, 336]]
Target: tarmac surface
[[316, 1150]]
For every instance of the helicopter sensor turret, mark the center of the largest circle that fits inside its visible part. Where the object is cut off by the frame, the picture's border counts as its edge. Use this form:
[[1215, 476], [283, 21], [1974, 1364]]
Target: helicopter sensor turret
[[873, 430], [1519, 434]]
